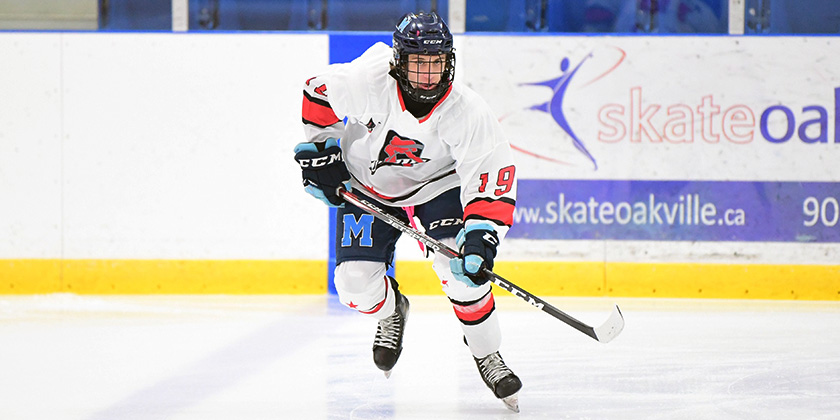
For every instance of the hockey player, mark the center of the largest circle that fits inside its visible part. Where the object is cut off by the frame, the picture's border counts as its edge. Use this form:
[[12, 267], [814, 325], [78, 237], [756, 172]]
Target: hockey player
[[418, 142]]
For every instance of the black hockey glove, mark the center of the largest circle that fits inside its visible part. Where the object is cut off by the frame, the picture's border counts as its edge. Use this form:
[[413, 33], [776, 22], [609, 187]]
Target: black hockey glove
[[323, 170], [478, 244]]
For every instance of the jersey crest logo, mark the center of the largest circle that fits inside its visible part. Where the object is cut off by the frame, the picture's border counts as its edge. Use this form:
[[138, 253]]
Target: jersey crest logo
[[398, 151]]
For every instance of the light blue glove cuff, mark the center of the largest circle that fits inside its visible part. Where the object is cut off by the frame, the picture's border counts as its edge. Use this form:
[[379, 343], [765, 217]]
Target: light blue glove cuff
[[319, 194], [312, 147], [311, 189], [462, 235], [455, 265], [472, 263]]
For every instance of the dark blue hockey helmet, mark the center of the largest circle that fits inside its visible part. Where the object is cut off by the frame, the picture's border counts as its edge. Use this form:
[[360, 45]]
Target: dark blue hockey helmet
[[424, 34]]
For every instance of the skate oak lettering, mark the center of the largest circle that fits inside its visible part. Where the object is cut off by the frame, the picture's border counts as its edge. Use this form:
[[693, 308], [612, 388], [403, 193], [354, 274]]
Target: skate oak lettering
[[643, 121]]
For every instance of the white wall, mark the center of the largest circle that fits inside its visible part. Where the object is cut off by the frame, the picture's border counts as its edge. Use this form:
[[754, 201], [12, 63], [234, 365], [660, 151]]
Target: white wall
[[30, 146], [155, 146]]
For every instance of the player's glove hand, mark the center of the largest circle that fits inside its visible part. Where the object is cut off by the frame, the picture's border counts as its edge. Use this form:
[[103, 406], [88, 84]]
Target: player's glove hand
[[477, 244], [323, 171]]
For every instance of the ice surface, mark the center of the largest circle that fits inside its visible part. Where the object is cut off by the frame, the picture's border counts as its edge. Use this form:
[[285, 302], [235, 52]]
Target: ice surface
[[305, 357]]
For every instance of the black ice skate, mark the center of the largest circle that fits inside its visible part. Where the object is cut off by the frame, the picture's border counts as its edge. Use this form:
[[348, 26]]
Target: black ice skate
[[500, 379], [387, 345]]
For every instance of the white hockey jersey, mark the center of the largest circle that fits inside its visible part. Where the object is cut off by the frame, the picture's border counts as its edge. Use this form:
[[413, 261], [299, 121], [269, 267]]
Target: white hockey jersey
[[403, 161]]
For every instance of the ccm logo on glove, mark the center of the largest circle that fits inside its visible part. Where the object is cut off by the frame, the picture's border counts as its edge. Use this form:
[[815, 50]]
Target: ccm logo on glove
[[323, 171], [320, 161]]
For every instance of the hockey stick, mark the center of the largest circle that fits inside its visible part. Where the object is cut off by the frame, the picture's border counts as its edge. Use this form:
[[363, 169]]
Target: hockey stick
[[604, 333]]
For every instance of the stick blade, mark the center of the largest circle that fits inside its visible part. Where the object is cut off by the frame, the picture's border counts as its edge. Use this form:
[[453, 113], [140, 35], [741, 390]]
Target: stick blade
[[611, 328]]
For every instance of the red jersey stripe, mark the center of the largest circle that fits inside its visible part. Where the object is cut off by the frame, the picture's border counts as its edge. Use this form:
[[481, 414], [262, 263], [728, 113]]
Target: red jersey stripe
[[494, 210], [317, 113]]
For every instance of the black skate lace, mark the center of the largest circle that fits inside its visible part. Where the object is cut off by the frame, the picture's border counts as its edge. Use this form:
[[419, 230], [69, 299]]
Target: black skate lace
[[388, 331], [493, 368]]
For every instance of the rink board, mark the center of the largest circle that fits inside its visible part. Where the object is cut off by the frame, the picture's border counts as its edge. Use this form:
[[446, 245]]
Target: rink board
[[615, 279], [161, 163], [686, 280], [162, 277]]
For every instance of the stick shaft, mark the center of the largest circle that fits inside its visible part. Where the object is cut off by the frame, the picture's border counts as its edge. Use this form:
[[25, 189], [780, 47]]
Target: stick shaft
[[500, 281]]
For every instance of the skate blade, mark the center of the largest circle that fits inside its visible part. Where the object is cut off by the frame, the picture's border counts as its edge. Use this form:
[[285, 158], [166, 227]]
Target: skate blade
[[512, 402], [387, 374]]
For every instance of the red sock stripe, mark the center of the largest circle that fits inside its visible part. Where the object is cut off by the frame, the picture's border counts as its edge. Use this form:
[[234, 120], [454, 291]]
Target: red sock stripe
[[317, 113], [380, 304], [475, 311], [493, 210]]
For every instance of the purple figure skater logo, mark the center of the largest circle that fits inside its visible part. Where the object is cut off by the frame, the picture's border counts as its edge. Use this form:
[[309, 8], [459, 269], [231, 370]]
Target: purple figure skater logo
[[554, 106]]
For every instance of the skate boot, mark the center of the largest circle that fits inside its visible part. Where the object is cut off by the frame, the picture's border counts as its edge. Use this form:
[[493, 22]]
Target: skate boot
[[387, 345], [500, 379]]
